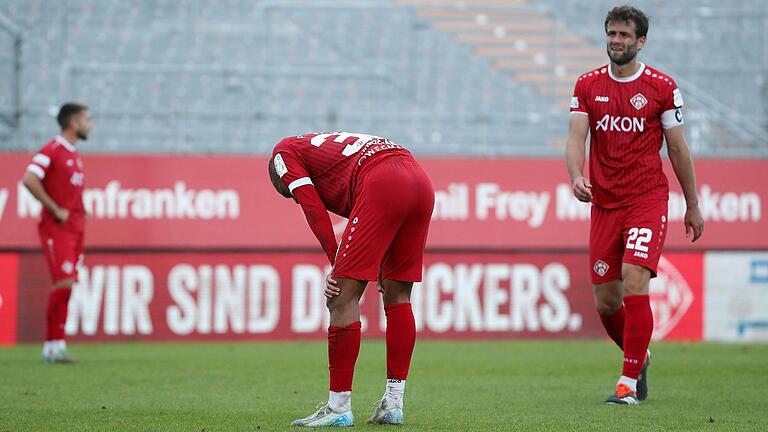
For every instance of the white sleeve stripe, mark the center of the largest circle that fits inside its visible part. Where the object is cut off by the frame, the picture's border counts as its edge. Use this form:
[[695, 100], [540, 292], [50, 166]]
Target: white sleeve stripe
[[36, 170], [579, 112], [299, 182], [42, 160]]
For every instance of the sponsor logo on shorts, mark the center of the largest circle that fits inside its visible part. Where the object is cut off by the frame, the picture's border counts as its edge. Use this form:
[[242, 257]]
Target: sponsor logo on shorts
[[601, 98], [641, 254], [600, 267]]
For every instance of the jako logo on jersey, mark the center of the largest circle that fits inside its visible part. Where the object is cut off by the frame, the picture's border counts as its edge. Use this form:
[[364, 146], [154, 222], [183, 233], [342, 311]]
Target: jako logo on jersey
[[601, 98], [621, 124], [638, 101], [670, 296], [600, 267]]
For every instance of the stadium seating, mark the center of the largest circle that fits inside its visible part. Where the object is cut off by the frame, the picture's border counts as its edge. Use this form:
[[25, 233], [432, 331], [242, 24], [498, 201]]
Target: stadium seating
[[483, 77]]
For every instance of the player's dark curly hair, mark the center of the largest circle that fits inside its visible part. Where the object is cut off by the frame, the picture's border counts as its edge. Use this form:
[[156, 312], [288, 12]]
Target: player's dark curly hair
[[628, 13], [67, 111]]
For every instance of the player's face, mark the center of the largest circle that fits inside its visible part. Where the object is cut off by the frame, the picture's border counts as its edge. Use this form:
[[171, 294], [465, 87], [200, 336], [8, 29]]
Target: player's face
[[83, 125], [622, 42]]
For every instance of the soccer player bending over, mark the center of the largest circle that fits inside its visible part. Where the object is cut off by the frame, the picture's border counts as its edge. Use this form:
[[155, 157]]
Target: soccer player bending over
[[628, 108], [388, 199], [55, 177]]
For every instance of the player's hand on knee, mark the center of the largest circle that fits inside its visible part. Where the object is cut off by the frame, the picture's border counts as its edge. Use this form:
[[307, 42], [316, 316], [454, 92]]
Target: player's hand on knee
[[331, 287]]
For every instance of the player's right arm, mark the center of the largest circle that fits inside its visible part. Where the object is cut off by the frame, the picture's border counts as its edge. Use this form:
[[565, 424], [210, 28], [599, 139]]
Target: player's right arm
[[317, 219], [296, 179], [33, 181], [575, 146]]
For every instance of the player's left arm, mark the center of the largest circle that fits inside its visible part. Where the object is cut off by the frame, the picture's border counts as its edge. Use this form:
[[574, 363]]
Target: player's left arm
[[680, 156]]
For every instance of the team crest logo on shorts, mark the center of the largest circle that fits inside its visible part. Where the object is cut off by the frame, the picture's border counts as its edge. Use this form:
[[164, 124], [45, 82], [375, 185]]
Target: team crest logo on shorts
[[638, 101], [600, 267]]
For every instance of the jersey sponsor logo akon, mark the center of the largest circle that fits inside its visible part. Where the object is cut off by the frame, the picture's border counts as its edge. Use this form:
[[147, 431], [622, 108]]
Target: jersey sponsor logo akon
[[611, 123]]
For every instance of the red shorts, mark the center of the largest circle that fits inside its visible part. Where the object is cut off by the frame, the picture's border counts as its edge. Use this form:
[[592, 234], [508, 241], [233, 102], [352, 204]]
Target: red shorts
[[633, 234], [63, 250], [388, 225]]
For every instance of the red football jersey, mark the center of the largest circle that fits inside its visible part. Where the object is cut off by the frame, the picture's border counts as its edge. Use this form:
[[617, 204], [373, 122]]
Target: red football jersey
[[626, 121], [60, 168], [330, 161]]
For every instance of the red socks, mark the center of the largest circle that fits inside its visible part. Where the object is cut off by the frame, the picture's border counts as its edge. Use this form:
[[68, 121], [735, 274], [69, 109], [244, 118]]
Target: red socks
[[343, 348], [401, 337], [637, 333], [614, 326], [56, 313]]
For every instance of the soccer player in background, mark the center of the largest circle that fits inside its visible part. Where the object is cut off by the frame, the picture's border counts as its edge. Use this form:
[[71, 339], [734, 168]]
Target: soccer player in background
[[388, 199], [55, 178], [628, 108]]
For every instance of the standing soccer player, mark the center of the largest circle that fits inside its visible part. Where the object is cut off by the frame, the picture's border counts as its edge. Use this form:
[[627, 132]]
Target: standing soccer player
[[628, 108], [55, 178], [388, 199]]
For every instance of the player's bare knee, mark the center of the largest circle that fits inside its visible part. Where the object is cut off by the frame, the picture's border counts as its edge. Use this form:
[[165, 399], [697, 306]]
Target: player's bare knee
[[636, 286], [635, 280], [396, 297], [608, 306], [331, 303], [338, 304], [396, 292], [608, 297]]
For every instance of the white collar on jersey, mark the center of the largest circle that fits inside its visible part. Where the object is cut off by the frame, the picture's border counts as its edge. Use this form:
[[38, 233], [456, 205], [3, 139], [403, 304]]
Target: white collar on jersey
[[63, 141], [633, 77]]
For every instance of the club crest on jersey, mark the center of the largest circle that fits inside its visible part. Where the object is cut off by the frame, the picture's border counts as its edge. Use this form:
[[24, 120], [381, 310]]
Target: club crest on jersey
[[638, 101], [600, 267]]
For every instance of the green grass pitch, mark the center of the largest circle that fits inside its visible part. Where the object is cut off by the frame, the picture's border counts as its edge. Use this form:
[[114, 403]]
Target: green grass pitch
[[457, 385]]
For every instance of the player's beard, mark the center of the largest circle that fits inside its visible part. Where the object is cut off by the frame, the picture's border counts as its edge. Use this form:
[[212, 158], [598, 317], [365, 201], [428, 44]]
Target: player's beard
[[629, 54], [83, 135]]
